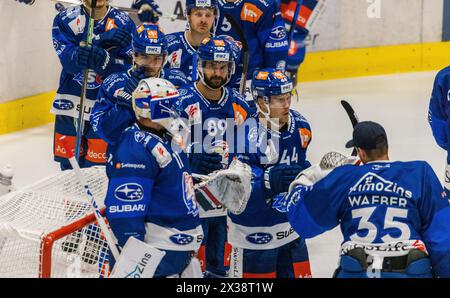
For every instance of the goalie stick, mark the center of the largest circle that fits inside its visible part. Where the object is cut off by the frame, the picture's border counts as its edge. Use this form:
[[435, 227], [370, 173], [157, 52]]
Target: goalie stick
[[109, 236], [245, 52], [353, 117]]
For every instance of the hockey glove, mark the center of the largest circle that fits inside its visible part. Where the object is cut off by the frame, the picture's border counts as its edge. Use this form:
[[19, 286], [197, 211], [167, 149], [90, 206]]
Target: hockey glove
[[29, 2], [278, 178], [204, 163], [95, 58], [112, 38], [124, 96], [149, 11]]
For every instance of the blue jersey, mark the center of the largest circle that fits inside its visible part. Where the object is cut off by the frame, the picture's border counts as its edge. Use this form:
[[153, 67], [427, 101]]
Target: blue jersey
[[110, 119], [151, 193], [390, 207], [439, 109], [211, 120], [69, 30], [264, 32], [259, 220], [181, 55]]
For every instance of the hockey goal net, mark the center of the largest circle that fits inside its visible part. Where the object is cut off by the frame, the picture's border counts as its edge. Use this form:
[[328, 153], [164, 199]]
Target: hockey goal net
[[49, 230]]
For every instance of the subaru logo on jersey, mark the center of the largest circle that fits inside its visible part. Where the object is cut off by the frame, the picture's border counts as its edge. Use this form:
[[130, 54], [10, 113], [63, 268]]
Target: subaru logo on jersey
[[129, 192], [181, 239], [278, 33], [259, 238], [152, 50], [63, 104], [225, 57], [189, 194]]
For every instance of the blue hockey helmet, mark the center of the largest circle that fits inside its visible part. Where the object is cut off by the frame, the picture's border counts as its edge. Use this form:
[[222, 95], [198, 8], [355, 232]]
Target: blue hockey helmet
[[270, 82], [148, 39], [216, 49], [190, 4]]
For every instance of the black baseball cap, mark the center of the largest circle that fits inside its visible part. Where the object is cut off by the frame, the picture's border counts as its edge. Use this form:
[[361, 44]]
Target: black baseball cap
[[368, 135]]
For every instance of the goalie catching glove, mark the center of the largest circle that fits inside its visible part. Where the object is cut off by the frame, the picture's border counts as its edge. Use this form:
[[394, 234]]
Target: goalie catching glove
[[230, 187], [308, 177]]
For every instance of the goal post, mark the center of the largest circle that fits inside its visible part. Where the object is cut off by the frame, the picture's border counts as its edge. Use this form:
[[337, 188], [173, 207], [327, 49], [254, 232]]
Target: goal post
[[49, 229]]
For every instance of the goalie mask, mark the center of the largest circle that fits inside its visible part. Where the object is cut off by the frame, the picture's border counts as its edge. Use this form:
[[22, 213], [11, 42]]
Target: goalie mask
[[150, 49], [270, 85], [155, 99], [215, 55]]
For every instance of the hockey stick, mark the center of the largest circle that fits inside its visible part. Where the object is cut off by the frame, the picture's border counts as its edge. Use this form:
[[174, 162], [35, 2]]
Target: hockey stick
[[353, 117], [245, 55], [109, 236], [169, 16], [80, 120], [294, 20]]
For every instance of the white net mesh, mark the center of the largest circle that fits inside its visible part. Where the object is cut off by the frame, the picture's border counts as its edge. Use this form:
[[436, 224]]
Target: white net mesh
[[28, 215]]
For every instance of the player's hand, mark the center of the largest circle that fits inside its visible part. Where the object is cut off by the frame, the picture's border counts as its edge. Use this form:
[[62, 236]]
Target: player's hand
[[124, 97], [204, 163], [113, 38], [278, 178], [135, 77], [149, 11], [95, 58]]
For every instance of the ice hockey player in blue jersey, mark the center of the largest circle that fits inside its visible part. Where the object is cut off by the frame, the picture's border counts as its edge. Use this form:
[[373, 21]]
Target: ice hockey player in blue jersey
[[212, 109], [150, 192], [438, 117], [113, 112], [182, 46], [297, 47], [110, 52], [394, 216], [264, 243], [148, 11], [263, 27]]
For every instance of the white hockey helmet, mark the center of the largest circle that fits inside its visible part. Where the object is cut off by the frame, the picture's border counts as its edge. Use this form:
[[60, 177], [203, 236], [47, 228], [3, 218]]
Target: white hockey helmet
[[155, 99]]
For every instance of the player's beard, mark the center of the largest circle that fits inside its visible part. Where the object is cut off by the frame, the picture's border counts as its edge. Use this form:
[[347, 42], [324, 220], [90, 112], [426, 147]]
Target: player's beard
[[215, 82]]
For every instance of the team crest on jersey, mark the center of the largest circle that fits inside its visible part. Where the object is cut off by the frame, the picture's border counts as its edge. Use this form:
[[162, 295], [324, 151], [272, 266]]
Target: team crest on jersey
[[189, 194], [194, 113], [110, 24], [162, 156], [77, 25], [305, 137], [175, 59], [250, 13]]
